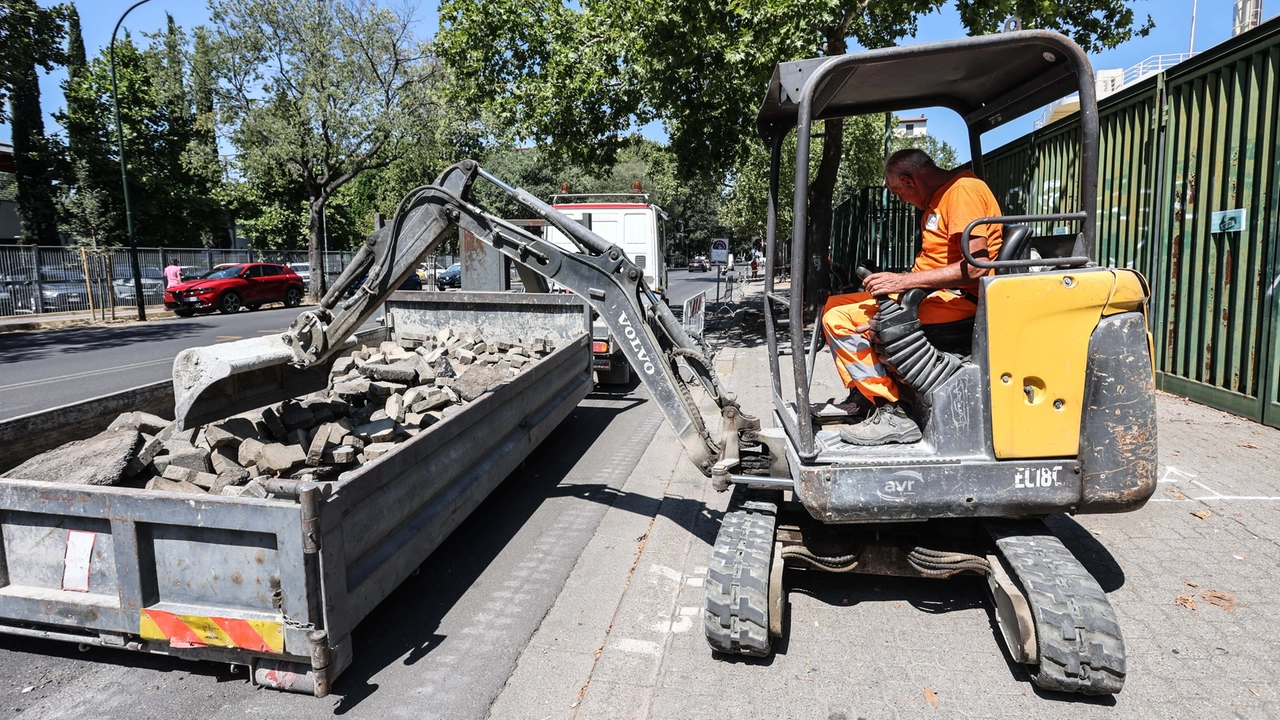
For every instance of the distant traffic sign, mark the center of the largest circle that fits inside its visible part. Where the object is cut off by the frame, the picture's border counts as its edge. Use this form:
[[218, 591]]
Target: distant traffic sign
[[719, 251]]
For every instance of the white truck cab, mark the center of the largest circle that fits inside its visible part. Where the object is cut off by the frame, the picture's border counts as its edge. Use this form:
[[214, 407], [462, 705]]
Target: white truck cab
[[642, 230]]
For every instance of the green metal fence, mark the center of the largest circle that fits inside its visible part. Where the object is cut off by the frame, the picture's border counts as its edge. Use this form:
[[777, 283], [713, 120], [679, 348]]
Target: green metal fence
[[1176, 148], [875, 225]]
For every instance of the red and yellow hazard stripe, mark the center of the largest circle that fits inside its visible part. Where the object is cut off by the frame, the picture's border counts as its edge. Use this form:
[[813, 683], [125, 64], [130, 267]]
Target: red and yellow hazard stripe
[[199, 631]]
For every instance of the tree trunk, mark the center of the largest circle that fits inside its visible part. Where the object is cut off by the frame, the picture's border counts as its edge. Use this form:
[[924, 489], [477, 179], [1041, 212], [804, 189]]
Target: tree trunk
[[822, 194], [315, 248]]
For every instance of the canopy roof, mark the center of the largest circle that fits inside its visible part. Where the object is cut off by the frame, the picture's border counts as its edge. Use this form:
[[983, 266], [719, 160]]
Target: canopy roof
[[989, 80]]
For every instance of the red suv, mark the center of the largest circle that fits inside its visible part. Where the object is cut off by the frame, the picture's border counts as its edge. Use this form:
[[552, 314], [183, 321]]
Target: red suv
[[229, 289]]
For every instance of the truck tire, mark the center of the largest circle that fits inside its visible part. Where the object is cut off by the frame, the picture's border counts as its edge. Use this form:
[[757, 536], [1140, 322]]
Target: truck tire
[[736, 618]]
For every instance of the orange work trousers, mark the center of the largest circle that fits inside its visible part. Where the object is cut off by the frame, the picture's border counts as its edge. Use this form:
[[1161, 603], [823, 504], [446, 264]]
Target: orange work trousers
[[856, 359]]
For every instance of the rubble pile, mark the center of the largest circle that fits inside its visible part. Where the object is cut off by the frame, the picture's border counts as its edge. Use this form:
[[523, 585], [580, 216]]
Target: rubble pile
[[377, 397]]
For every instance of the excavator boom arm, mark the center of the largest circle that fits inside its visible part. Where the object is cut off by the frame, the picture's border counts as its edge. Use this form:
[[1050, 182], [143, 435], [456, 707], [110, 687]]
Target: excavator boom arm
[[653, 340]]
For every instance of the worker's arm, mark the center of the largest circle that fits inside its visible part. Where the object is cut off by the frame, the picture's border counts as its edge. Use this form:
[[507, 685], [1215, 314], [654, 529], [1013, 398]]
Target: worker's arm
[[951, 276]]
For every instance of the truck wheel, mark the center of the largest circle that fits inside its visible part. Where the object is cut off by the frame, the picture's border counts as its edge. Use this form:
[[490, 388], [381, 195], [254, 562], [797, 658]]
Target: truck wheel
[[230, 303], [736, 619]]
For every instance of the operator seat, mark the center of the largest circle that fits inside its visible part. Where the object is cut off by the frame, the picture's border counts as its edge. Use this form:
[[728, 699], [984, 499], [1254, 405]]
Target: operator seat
[[957, 337]]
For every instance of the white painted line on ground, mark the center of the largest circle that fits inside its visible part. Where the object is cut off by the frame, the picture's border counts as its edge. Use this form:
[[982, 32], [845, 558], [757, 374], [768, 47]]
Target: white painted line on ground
[[694, 582], [691, 610], [87, 373]]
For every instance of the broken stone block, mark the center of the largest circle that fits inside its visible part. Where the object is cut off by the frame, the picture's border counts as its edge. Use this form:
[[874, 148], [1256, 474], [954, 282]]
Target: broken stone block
[[189, 456], [204, 480], [383, 388], [355, 441], [318, 444], [224, 459], [252, 489], [340, 455], [343, 365], [476, 381], [249, 452], [518, 361], [279, 458], [394, 407], [178, 474], [539, 345], [379, 414], [146, 452], [404, 371], [426, 373], [377, 430], [295, 417], [375, 358], [301, 438], [275, 425], [465, 357], [351, 389], [444, 335], [230, 432], [178, 486], [378, 449]]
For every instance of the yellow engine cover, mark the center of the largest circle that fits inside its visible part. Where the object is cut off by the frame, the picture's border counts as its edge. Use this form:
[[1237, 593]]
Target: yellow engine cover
[[1038, 330]]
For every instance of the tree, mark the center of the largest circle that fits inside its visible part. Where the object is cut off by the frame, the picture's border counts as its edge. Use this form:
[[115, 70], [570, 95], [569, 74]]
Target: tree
[[575, 76], [172, 205], [29, 39], [327, 89]]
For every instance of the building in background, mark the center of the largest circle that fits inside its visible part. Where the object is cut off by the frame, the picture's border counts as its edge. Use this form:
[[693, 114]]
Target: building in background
[[912, 127], [1247, 16]]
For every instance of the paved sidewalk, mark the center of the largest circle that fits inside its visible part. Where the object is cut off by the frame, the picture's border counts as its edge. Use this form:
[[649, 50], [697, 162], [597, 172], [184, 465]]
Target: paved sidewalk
[[1192, 576]]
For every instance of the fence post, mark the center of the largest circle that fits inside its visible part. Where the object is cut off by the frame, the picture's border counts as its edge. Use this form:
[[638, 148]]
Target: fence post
[[37, 302]]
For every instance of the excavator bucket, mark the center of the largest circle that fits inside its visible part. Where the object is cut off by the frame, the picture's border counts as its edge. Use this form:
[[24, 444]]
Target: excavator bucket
[[217, 381]]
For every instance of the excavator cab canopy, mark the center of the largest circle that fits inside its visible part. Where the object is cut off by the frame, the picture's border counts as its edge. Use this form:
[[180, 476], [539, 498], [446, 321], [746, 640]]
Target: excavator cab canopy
[[987, 80]]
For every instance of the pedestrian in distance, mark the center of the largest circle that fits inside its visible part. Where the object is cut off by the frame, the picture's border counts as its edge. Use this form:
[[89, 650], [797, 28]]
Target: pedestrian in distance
[[172, 274]]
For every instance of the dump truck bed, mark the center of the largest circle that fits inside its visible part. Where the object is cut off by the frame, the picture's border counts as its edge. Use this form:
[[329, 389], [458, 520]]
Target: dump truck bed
[[278, 583]]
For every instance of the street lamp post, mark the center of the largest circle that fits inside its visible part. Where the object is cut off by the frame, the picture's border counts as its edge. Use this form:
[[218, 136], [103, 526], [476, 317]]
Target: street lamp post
[[124, 175]]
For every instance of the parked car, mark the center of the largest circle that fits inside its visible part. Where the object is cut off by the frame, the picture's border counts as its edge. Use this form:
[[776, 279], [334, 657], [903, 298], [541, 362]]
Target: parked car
[[451, 278], [152, 285], [250, 285], [699, 264], [61, 289], [303, 270]]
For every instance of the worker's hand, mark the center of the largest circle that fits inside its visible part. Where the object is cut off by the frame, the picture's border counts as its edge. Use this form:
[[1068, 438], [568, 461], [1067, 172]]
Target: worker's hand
[[887, 283]]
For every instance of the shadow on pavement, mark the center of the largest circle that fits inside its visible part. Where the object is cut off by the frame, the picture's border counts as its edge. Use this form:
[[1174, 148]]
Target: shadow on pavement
[[24, 346], [405, 624]]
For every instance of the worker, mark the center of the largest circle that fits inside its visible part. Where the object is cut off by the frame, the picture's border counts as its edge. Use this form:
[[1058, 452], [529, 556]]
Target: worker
[[950, 200]]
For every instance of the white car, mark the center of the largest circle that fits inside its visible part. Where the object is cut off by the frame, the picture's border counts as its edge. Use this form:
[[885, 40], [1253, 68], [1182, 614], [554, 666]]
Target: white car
[[303, 271]]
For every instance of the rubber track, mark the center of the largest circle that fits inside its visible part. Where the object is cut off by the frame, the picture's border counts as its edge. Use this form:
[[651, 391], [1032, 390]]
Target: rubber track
[[736, 619], [1080, 646]]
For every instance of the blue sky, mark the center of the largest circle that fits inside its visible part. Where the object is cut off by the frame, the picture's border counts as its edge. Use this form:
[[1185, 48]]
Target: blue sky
[[1172, 34]]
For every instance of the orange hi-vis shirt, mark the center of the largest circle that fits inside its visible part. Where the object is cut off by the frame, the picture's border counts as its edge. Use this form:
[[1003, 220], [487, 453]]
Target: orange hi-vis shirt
[[961, 201]]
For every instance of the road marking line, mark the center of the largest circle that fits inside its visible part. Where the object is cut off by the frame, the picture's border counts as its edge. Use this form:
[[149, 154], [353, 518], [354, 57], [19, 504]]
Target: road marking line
[[87, 373]]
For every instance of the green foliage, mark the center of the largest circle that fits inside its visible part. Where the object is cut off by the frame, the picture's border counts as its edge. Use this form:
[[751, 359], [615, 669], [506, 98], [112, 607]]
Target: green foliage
[[30, 37], [325, 90], [172, 204]]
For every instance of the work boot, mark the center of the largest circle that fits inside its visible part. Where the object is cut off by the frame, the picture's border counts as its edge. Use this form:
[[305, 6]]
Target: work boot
[[886, 424], [856, 405]]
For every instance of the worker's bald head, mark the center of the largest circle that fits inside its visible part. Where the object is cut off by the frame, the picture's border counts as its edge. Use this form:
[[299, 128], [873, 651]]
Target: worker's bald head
[[909, 161], [911, 175]]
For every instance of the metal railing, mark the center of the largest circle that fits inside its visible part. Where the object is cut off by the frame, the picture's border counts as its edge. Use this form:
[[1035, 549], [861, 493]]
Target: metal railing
[[72, 279]]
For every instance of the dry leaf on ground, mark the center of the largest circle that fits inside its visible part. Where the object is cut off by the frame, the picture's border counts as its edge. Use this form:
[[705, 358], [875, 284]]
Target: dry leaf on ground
[[1217, 598], [1186, 601], [930, 697], [1190, 584], [1249, 445], [1202, 514]]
